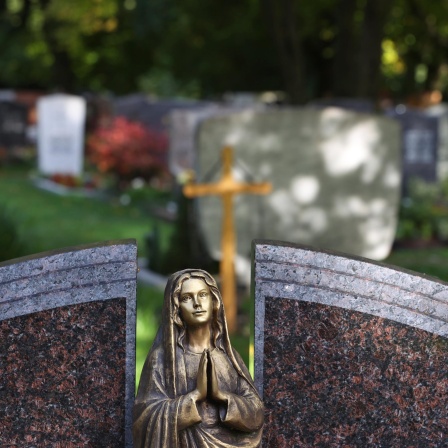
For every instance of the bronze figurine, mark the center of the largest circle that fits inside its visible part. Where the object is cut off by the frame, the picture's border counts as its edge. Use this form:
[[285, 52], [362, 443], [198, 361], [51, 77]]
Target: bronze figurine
[[195, 390]]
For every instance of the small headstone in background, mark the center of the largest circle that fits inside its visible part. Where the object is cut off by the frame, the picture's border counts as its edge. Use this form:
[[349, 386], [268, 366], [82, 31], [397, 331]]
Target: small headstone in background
[[152, 113], [347, 352], [99, 111], [419, 145], [440, 111], [67, 347], [182, 132], [7, 95], [61, 129], [184, 127], [13, 124]]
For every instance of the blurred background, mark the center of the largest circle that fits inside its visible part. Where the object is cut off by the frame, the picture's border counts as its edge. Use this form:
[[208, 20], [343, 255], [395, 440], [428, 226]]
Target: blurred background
[[108, 107]]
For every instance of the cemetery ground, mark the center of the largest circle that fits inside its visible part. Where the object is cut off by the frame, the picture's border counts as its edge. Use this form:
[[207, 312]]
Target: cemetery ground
[[45, 221]]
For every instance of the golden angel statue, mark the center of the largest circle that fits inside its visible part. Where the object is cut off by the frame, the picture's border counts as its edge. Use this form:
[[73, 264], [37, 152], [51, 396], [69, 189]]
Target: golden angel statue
[[195, 391]]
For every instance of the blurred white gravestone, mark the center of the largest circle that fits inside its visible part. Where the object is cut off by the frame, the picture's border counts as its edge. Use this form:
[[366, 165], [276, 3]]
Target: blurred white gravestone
[[61, 120], [184, 128], [335, 175]]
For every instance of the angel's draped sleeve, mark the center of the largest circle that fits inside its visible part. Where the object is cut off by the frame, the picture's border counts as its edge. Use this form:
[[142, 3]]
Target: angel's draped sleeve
[[244, 410], [163, 421], [157, 417]]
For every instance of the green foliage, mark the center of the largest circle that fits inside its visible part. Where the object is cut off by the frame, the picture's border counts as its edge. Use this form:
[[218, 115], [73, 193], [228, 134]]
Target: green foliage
[[430, 260], [424, 214], [418, 31], [213, 47], [69, 45], [335, 47], [147, 197], [10, 243], [186, 247], [203, 49], [149, 310], [162, 83]]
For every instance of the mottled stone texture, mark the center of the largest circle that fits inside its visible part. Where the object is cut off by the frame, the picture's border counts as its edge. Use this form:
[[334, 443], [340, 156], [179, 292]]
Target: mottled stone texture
[[334, 377], [335, 178], [67, 347], [347, 352], [62, 376]]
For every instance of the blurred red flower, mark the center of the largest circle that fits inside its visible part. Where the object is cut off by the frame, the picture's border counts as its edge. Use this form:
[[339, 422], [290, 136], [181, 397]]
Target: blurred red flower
[[128, 149]]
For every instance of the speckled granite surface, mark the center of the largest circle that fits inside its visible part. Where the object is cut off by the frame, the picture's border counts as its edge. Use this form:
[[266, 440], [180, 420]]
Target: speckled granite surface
[[67, 356], [348, 353], [62, 376]]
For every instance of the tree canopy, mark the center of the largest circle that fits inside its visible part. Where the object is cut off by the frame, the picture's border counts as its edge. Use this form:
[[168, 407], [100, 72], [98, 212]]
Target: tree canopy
[[356, 48]]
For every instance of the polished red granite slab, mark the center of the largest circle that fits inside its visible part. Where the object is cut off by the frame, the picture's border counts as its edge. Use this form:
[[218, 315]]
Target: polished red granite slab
[[340, 378], [62, 377]]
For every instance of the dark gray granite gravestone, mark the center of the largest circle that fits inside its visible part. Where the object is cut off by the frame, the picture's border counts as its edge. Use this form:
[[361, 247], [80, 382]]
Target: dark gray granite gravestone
[[348, 352], [13, 124], [419, 135], [67, 347], [151, 113]]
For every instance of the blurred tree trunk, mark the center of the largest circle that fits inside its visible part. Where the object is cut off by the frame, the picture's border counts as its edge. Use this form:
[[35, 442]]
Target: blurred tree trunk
[[344, 71], [63, 77], [369, 59], [282, 15], [357, 63], [357, 58]]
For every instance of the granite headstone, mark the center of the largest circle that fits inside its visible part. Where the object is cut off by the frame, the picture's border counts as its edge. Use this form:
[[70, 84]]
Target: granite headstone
[[419, 145], [67, 347], [61, 126], [440, 112], [183, 125], [335, 174], [183, 130], [13, 124], [348, 352], [152, 113]]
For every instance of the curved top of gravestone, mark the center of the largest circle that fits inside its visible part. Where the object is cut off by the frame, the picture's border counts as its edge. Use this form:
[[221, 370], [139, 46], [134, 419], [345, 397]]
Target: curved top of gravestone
[[43, 297], [343, 345], [67, 276], [290, 271]]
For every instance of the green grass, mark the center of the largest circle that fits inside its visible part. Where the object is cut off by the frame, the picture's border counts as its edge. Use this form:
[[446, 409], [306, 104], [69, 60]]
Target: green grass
[[47, 221], [430, 261], [149, 306]]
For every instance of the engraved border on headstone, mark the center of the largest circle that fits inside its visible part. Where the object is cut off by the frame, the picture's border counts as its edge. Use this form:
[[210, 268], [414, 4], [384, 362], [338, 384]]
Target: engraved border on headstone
[[77, 275], [297, 272]]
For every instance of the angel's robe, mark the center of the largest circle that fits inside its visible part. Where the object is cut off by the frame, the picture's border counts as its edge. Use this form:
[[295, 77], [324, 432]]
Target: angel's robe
[[164, 421]]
